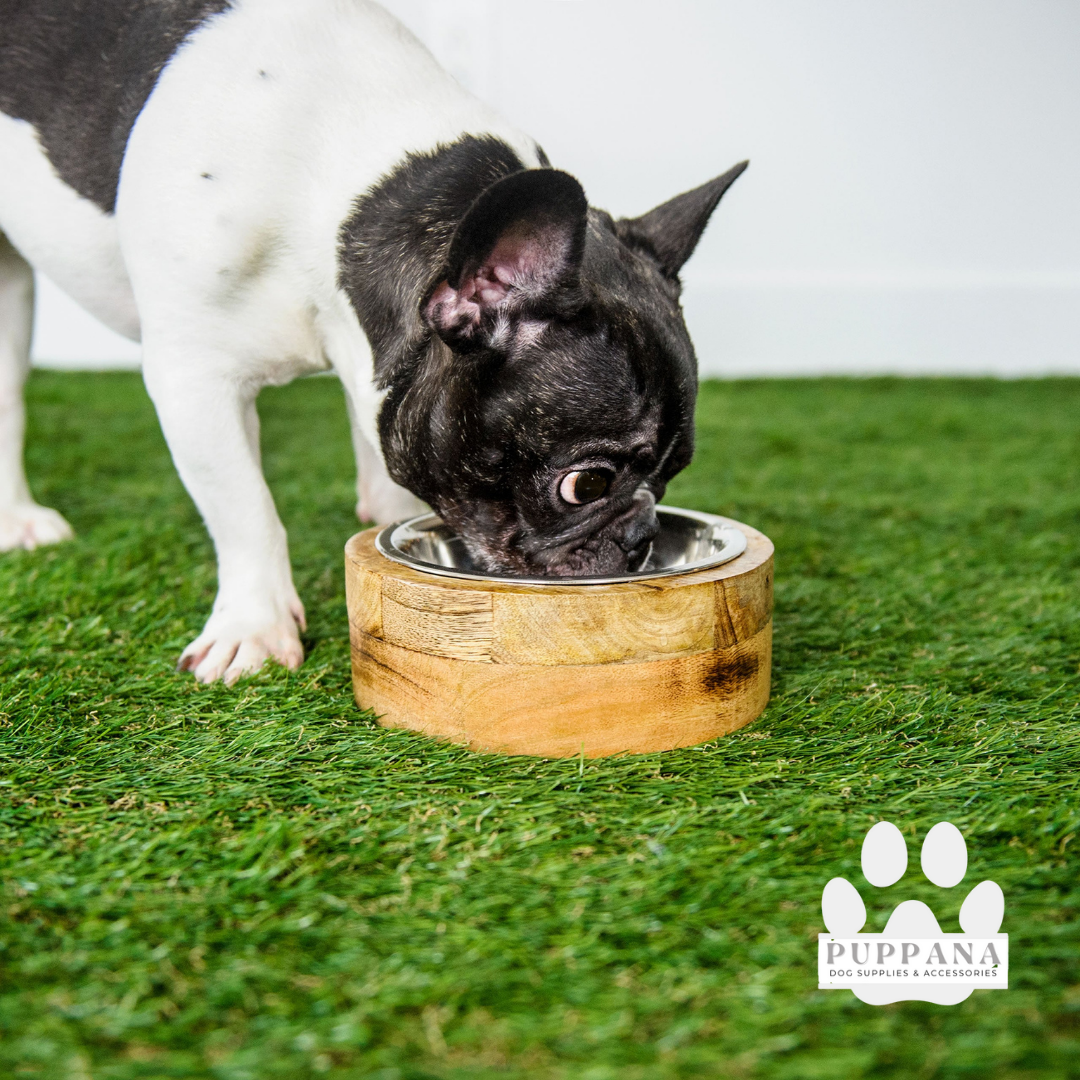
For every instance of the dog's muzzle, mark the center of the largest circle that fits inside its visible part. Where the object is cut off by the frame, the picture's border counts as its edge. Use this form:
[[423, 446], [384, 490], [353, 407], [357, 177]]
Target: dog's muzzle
[[635, 530]]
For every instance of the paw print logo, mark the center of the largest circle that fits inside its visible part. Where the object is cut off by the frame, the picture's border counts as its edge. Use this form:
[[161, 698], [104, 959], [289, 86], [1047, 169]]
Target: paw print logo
[[913, 959]]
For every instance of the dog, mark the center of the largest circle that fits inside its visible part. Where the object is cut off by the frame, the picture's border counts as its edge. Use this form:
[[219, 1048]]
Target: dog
[[262, 189]]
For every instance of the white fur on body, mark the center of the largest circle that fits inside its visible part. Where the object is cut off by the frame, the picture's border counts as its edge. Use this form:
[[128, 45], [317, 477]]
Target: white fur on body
[[231, 279]]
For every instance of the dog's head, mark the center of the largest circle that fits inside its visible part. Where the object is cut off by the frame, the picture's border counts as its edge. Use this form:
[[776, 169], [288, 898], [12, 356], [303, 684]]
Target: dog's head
[[558, 398]]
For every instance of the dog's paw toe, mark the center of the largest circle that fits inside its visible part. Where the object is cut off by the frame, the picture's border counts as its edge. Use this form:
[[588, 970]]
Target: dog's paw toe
[[252, 653], [229, 649], [29, 526]]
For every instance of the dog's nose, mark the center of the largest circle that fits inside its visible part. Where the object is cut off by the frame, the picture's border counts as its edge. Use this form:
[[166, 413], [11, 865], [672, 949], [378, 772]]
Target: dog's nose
[[641, 525]]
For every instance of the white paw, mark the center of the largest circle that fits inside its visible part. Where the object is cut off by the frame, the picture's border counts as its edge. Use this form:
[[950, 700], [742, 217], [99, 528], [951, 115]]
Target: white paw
[[234, 644], [29, 526]]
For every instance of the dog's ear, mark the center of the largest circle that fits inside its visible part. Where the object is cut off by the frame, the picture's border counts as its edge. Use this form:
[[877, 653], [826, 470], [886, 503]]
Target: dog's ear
[[673, 229], [517, 252]]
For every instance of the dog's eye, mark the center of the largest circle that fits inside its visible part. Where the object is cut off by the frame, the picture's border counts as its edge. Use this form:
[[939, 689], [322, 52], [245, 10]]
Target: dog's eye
[[584, 485]]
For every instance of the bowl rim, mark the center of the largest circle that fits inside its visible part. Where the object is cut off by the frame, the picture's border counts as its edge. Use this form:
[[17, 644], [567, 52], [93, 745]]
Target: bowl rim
[[735, 543]]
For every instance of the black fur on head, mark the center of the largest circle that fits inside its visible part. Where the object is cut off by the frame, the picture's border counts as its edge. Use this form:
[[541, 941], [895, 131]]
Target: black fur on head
[[540, 380]]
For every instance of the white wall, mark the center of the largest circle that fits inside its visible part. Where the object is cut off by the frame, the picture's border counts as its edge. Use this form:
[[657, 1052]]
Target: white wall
[[911, 204]]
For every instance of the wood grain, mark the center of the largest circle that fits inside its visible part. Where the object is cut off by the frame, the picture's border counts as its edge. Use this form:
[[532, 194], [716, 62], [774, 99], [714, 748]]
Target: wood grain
[[607, 628], [560, 670], [595, 709]]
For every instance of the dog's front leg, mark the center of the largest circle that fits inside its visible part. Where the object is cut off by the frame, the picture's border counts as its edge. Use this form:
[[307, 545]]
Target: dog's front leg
[[378, 498], [23, 524], [212, 429]]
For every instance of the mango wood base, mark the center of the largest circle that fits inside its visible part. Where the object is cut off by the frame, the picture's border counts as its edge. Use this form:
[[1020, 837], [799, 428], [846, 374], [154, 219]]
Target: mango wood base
[[557, 671]]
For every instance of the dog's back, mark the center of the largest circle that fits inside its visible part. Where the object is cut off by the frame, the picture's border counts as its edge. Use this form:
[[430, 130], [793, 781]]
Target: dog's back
[[207, 130], [80, 72]]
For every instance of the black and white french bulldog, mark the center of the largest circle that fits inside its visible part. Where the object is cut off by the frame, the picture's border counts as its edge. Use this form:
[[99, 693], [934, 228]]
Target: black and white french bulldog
[[259, 189]]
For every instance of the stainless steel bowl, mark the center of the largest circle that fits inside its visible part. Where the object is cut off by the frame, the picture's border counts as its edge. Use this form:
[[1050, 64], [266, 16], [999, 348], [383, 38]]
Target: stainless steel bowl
[[687, 541]]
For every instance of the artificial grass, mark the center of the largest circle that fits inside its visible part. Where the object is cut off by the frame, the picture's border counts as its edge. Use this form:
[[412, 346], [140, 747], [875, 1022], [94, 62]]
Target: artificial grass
[[260, 882]]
